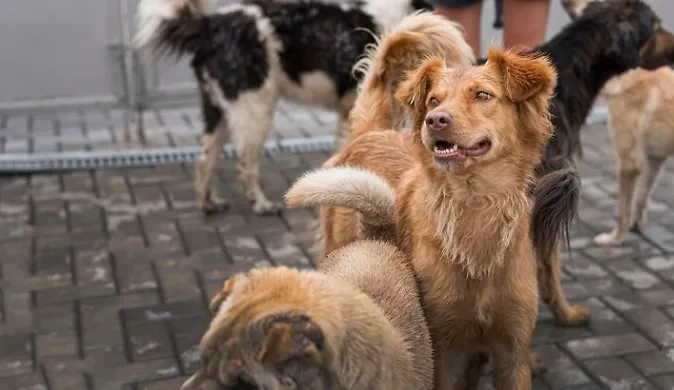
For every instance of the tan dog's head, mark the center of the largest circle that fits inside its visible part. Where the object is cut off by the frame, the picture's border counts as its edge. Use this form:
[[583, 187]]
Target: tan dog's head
[[263, 335], [479, 115]]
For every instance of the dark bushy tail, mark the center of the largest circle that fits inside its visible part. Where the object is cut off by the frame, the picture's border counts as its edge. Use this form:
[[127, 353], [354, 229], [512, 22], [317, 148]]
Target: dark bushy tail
[[556, 197]]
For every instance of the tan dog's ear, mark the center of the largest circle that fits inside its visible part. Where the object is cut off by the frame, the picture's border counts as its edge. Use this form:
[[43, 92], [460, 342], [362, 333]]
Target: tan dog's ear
[[286, 339], [220, 297], [413, 92], [524, 75]]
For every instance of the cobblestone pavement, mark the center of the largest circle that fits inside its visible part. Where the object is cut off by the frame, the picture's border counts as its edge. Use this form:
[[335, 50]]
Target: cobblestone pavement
[[105, 276]]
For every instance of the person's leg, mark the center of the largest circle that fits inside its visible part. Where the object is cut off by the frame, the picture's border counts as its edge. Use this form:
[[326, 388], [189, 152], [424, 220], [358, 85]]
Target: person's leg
[[467, 13], [525, 22]]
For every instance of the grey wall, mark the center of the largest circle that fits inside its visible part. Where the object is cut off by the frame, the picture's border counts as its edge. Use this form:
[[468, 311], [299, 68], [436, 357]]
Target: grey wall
[[60, 50]]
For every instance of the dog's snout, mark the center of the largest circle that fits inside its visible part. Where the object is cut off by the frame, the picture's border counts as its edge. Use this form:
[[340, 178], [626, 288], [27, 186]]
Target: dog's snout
[[437, 121]]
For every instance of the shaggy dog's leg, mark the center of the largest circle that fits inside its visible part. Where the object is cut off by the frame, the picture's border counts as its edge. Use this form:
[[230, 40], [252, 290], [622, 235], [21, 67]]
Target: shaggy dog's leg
[[211, 146], [213, 137], [643, 188], [550, 286], [250, 119]]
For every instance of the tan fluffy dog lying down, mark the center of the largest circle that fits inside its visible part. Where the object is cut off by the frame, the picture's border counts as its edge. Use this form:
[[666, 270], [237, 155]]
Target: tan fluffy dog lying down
[[355, 324], [454, 195], [642, 127]]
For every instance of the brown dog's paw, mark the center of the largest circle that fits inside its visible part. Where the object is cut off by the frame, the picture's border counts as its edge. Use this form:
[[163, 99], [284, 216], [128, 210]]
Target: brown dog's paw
[[536, 363], [575, 316]]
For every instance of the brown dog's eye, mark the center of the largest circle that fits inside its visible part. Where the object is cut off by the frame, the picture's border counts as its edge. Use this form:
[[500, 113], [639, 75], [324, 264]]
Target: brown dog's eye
[[433, 102], [483, 96]]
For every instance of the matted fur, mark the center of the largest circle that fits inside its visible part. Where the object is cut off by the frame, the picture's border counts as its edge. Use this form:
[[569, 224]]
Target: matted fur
[[355, 324], [642, 128], [466, 226]]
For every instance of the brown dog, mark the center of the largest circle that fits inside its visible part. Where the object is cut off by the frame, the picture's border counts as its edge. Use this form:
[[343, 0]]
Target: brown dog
[[642, 128], [355, 324], [401, 50], [460, 205]]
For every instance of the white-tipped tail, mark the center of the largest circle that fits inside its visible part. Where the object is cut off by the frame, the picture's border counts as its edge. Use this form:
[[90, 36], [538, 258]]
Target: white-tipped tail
[[354, 188], [153, 14]]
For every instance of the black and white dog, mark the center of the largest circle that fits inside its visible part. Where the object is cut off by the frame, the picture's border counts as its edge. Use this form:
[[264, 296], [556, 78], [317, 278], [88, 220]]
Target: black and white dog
[[247, 56]]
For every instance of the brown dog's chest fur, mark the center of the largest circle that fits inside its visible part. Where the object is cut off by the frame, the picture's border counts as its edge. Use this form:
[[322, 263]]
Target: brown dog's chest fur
[[473, 258]]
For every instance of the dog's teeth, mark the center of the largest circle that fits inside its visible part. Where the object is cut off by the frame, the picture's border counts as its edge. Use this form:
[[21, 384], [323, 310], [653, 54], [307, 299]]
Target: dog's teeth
[[454, 148]]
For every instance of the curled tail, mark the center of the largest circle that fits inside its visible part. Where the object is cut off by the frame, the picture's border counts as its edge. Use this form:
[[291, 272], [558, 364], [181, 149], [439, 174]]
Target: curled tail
[[556, 197], [354, 188], [171, 25], [418, 36]]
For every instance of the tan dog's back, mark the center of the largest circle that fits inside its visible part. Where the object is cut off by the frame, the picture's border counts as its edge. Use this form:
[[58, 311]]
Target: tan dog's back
[[383, 273], [641, 104]]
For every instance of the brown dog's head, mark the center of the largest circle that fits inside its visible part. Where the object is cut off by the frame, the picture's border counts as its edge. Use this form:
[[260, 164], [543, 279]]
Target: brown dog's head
[[262, 335], [479, 115]]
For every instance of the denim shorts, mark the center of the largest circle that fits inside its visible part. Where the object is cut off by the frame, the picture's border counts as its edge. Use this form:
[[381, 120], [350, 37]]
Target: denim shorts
[[498, 22]]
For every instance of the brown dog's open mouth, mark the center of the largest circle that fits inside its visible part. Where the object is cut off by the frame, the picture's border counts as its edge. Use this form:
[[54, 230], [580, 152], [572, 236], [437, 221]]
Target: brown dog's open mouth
[[449, 151]]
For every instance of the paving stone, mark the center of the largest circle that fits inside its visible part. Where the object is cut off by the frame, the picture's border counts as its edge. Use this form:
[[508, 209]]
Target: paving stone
[[654, 324], [615, 373], [149, 341], [622, 344], [560, 370], [653, 363]]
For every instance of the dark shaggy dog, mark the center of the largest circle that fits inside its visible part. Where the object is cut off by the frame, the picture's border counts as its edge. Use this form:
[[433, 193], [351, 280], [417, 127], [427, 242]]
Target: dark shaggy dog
[[247, 56]]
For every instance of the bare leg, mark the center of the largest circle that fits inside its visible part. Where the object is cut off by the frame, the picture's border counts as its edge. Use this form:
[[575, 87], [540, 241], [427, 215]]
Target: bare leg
[[525, 22], [643, 189], [470, 18], [550, 286], [628, 172]]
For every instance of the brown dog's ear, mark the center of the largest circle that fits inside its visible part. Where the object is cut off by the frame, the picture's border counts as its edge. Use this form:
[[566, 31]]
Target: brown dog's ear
[[286, 339], [220, 297], [524, 75], [413, 92]]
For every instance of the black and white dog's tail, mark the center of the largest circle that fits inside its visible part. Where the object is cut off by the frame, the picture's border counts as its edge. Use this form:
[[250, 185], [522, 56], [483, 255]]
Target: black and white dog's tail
[[171, 25]]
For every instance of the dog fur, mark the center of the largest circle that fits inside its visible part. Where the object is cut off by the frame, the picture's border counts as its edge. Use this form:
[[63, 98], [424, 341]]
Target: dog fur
[[609, 38], [247, 56], [402, 49], [356, 323], [642, 128], [465, 224]]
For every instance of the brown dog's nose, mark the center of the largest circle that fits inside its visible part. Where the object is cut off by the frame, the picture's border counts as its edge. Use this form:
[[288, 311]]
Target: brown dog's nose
[[437, 121]]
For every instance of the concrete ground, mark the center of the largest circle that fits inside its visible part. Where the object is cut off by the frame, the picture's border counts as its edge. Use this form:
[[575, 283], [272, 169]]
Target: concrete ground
[[105, 275]]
